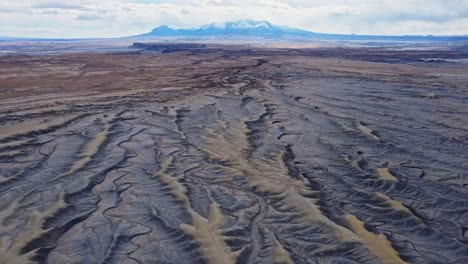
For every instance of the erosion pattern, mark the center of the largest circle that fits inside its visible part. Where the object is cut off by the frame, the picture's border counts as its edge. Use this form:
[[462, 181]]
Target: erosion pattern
[[287, 160]]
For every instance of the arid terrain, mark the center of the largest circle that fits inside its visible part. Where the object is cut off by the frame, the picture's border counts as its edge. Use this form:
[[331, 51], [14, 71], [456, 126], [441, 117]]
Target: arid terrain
[[190, 153]]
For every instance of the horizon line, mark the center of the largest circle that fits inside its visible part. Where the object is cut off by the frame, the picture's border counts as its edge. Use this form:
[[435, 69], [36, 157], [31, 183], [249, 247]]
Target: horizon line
[[196, 28]]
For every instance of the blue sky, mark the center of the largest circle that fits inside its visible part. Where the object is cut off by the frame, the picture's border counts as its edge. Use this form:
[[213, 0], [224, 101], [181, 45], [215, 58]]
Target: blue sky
[[112, 18]]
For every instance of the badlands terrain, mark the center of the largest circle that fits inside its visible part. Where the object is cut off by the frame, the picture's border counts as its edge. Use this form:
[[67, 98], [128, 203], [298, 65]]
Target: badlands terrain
[[204, 153]]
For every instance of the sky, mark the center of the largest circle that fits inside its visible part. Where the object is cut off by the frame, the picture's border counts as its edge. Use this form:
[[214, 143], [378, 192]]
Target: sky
[[117, 18]]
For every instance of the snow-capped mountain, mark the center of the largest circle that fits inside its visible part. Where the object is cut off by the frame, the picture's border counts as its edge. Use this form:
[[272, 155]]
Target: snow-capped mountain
[[266, 30], [237, 28], [242, 24]]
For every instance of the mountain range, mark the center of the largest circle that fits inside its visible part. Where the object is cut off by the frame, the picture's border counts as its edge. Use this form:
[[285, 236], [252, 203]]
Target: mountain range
[[266, 30], [253, 29], [238, 28]]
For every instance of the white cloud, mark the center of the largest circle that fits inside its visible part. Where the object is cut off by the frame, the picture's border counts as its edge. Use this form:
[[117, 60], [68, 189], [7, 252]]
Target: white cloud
[[109, 18]]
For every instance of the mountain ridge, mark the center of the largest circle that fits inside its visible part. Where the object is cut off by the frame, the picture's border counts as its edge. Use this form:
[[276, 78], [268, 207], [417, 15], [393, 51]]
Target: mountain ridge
[[267, 30]]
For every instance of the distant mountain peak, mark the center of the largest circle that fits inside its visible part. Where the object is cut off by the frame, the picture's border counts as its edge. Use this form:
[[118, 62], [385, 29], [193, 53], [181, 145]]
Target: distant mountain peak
[[239, 26], [213, 25], [264, 29], [235, 28]]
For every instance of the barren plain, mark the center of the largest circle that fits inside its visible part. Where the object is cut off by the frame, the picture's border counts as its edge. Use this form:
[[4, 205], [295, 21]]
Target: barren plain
[[183, 153]]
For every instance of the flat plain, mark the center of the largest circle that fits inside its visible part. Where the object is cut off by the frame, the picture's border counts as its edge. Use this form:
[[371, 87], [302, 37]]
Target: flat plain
[[190, 153]]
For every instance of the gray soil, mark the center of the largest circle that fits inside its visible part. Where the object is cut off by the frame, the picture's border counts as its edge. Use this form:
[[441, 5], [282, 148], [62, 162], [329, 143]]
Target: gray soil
[[212, 154]]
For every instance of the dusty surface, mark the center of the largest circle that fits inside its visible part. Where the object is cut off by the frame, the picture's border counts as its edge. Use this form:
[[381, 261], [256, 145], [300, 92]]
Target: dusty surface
[[228, 155]]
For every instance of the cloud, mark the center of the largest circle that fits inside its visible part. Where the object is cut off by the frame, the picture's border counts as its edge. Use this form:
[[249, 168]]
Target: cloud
[[90, 17], [58, 6], [42, 30], [110, 18]]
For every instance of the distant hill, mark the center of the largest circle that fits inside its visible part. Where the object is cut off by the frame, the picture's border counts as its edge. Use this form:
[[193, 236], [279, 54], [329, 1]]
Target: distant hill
[[239, 28], [266, 30]]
